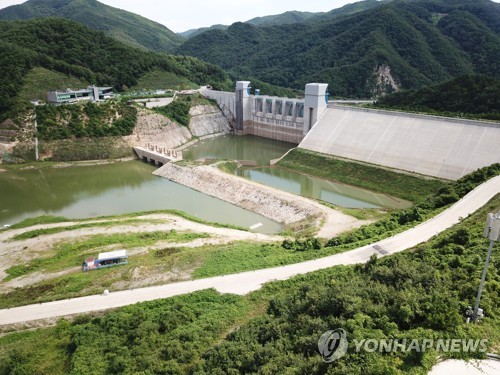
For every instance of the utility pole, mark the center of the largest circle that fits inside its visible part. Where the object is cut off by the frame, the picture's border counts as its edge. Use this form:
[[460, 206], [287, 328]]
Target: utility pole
[[36, 137], [35, 103], [492, 232]]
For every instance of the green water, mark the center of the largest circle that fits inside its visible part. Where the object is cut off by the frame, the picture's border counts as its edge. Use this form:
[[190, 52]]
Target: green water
[[263, 150], [335, 193], [233, 147], [122, 187]]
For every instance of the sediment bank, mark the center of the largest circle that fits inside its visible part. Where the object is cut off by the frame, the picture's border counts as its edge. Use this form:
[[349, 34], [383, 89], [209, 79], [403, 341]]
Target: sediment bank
[[279, 206]]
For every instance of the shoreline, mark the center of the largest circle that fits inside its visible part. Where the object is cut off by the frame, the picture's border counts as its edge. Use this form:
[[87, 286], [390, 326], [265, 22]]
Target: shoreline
[[280, 206]]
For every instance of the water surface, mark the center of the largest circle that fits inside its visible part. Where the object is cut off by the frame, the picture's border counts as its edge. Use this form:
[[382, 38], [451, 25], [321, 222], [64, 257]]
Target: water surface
[[118, 188], [307, 186], [232, 147]]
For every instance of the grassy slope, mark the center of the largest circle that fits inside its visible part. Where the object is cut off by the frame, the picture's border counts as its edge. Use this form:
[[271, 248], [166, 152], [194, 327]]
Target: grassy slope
[[400, 185], [158, 79], [40, 80]]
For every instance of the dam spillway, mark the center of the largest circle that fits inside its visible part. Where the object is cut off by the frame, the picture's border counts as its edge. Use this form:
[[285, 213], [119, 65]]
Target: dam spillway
[[428, 145]]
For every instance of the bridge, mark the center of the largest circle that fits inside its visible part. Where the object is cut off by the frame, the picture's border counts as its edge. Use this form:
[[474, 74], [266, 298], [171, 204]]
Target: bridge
[[151, 153]]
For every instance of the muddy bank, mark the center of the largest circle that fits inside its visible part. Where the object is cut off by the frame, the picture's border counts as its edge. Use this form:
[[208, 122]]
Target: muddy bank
[[280, 206]]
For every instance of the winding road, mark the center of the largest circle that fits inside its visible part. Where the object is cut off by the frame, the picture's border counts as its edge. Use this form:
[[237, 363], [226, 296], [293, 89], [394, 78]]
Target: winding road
[[246, 282]]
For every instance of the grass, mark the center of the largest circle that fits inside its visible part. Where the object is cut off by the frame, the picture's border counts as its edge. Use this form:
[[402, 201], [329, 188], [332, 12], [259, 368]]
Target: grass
[[39, 81], [229, 167], [47, 219], [72, 254], [40, 220], [363, 213], [144, 269], [158, 79], [105, 224], [400, 185]]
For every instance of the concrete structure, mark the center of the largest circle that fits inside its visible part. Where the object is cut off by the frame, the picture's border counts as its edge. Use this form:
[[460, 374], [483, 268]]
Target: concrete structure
[[271, 117], [428, 145], [91, 93], [157, 155]]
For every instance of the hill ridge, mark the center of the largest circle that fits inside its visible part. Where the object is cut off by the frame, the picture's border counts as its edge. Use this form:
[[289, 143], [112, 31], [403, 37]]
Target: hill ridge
[[125, 26]]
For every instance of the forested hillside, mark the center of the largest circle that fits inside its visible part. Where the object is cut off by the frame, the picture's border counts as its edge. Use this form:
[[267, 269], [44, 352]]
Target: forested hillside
[[396, 45], [293, 17], [68, 47], [124, 26], [472, 95]]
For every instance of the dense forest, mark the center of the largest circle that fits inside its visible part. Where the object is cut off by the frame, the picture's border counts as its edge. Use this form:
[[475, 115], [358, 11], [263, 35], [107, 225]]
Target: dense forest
[[293, 17], [418, 294], [73, 49], [417, 43], [90, 120], [470, 95], [124, 26]]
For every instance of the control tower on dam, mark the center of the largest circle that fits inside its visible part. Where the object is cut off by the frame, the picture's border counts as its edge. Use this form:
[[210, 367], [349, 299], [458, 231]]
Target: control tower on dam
[[278, 118], [434, 146]]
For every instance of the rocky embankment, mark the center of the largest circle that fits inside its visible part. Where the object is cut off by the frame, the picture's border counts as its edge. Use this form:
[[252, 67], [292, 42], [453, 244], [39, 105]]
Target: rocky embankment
[[153, 128], [208, 120], [273, 204]]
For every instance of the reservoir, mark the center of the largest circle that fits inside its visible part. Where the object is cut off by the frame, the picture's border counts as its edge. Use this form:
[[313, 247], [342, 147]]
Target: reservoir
[[232, 147], [124, 187], [263, 150], [328, 191], [98, 190]]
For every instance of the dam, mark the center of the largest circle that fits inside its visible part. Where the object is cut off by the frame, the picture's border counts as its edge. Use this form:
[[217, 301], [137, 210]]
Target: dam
[[446, 148], [433, 146]]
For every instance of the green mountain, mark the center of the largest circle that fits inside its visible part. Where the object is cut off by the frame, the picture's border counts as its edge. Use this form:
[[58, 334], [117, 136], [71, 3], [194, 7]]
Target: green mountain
[[283, 18], [194, 32], [401, 44], [293, 17], [71, 48], [471, 95], [349, 9], [122, 25], [278, 19]]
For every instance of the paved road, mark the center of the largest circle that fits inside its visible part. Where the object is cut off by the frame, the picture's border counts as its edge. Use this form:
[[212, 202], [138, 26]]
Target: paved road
[[243, 283]]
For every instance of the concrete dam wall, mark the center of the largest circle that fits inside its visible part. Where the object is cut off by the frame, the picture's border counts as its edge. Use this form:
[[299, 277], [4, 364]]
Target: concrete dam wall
[[428, 145]]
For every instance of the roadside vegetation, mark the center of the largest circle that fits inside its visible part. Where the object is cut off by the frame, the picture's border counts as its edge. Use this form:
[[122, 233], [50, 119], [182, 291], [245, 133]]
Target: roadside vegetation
[[402, 185], [418, 294]]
